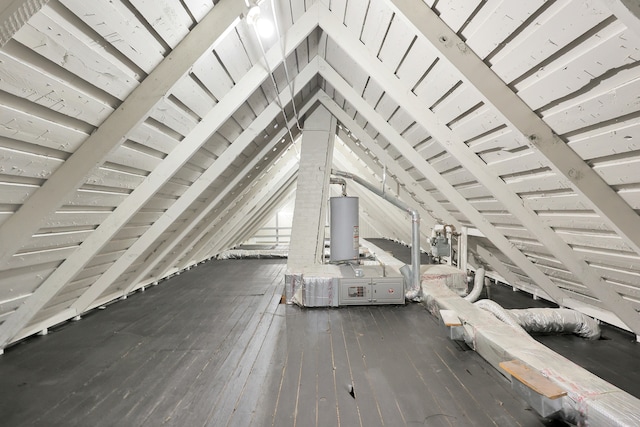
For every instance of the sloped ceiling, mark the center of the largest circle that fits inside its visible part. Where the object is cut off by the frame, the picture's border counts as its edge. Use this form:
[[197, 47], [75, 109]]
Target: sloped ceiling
[[140, 137]]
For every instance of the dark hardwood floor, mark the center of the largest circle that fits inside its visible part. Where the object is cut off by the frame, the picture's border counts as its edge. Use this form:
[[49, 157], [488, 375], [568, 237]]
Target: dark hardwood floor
[[214, 347]]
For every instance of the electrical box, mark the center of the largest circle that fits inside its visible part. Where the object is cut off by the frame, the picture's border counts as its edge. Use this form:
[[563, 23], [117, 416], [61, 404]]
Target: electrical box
[[371, 291], [440, 246]]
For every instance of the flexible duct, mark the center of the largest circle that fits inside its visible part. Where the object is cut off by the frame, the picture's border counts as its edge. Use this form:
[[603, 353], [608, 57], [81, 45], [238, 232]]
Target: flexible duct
[[557, 320], [544, 320], [414, 292], [498, 311], [478, 285]]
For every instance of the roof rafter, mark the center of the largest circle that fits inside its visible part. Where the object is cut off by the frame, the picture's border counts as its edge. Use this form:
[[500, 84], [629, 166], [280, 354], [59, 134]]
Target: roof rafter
[[154, 181], [612, 208], [426, 219], [179, 206], [627, 11], [62, 184], [401, 228], [465, 155], [259, 214], [278, 178], [431, 174], [443, 215], [197, 218]]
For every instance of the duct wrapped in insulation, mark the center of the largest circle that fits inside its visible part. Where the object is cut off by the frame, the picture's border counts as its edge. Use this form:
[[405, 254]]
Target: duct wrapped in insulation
[[253, 254], [445, 275], [545, 320], [557, 320]]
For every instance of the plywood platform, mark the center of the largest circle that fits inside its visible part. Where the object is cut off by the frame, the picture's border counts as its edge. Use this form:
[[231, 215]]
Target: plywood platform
[[215, 347]]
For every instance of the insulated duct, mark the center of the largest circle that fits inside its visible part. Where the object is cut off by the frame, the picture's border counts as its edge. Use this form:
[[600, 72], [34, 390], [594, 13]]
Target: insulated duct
[[498, 311], [545, 320], [557, 320], [415, 291], [478, 285]]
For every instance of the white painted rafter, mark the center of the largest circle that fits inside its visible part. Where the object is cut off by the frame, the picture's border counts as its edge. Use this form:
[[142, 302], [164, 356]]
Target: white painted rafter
[[443, 215], [279, 178], [184, 201], [509, 278], [474, 165], [627, 11], [431, 174], [258, 215], [611, 207], [394, 218], [153, 182], [516, 256], [248, 135], [61, 185]]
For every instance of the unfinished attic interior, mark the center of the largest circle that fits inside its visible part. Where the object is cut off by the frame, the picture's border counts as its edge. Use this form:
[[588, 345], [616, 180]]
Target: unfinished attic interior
[[282, 212]]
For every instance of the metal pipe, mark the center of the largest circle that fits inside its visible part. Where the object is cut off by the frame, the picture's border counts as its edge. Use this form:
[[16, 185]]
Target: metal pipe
[[340, 181], [415, 291]]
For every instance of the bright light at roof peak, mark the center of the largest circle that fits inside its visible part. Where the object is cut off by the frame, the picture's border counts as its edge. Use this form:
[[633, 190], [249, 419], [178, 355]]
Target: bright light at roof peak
[[262, 26]]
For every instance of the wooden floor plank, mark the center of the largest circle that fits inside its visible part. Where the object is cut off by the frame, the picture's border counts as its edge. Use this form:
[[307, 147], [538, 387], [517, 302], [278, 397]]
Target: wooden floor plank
[[213, 347]]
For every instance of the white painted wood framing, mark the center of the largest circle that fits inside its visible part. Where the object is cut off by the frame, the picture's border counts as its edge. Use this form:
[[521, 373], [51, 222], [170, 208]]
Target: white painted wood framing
[[138, 138]]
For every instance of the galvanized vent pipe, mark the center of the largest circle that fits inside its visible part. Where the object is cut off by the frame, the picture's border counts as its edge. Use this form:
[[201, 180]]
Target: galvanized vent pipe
[[342, 182], [415, 290]]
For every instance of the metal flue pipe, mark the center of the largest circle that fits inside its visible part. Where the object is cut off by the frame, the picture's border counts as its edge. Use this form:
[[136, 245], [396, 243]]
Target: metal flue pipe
[[415, 290], [342, 182]]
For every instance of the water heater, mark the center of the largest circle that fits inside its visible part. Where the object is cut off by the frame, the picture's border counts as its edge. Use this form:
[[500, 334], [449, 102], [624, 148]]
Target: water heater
[[345, 230]]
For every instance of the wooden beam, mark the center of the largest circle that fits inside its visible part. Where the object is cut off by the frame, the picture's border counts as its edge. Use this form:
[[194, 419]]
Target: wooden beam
[[611, 207], [204, 228], [257, 216], [627, 11], [154, 181], [427, 221], [390, 215], [533, 379], [249, 135], [517, 257], [62, 184], [484, 175], [278, 179], [14, 14], [194, 191], [442, 215], [306, 247], [430, 173]]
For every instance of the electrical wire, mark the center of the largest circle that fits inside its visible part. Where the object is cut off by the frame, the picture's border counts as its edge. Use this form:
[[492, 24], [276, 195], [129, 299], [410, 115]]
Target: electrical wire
[[284, 62], [273, 81]]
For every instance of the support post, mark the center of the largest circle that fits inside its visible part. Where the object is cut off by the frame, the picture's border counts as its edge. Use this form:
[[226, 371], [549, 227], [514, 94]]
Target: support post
[[309, 216]]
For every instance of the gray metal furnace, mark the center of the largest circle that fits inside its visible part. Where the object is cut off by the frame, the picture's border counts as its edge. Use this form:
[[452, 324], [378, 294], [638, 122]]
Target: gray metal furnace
[[370, 286]]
